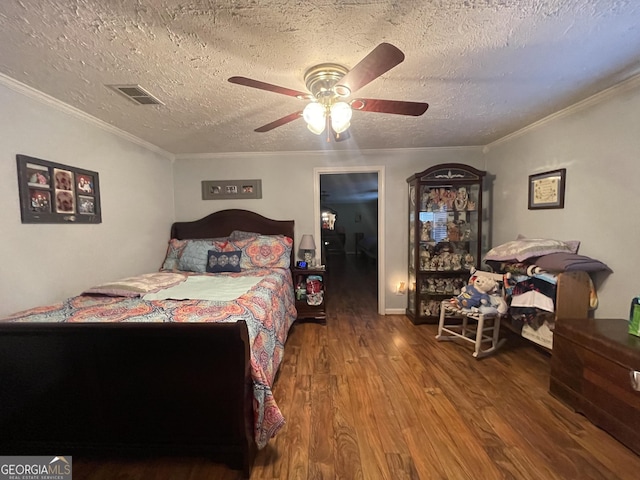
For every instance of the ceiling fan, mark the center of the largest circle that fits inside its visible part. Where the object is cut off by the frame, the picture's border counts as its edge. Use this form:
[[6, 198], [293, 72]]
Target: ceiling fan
[[330, 87]]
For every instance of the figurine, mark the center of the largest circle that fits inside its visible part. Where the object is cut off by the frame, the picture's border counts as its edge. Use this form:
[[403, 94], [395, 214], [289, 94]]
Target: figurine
[[448, 286], [425, 235], [453, 231], [468, 261], [425, 203], [456, 261], [462, 198], [434, 307], [446, 260], [435, 263], [425, 260]]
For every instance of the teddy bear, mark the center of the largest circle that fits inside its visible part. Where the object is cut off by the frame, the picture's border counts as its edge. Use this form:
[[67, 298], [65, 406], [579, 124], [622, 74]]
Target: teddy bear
[[476, 293], [497, 306]]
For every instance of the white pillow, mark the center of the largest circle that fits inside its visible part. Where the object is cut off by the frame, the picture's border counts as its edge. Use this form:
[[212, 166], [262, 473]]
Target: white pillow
[[524, 248]]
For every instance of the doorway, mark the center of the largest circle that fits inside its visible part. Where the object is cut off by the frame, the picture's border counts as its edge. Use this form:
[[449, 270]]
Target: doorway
[[345, 238]]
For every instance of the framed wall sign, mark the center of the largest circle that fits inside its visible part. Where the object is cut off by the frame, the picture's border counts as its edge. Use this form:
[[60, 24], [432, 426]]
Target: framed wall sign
[[231, 189], [546, 190], [55, 193]]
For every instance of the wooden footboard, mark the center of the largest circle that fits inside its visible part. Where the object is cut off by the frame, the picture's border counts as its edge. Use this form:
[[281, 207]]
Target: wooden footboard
[[123, 388]]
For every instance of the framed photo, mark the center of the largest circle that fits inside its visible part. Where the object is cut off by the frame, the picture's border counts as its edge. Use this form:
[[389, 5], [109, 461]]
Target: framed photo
[[231, 189], [546, 190], [55, 193]]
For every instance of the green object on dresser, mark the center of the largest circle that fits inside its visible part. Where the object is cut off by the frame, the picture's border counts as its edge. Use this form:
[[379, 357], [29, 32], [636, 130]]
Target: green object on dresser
[[634, 317]]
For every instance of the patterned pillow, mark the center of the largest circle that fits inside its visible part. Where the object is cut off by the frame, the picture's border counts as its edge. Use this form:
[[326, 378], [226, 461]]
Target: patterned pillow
[[263, 251], [223, 261], [240, 235], [524, 248], [173, 255], [176, 250]]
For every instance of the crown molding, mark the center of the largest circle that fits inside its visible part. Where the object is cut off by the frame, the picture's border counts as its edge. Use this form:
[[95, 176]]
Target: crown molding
[[625, 85], [56, 104], [322, 153]]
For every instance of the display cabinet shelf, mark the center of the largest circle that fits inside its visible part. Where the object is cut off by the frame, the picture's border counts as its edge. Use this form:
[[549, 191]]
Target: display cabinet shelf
[[445, 233]]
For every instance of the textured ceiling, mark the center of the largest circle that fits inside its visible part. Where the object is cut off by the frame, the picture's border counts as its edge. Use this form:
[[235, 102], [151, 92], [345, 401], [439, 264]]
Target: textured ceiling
[[486, 67]]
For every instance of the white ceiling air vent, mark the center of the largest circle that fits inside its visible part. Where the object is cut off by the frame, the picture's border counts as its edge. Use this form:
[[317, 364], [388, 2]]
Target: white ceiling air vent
[[136, 94]]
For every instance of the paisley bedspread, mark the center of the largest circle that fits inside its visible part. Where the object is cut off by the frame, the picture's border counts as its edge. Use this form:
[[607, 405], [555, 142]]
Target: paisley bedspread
[[268, 309]]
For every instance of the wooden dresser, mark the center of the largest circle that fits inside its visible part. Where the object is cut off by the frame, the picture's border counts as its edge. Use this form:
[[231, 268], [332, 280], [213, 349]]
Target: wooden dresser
[[591, 368]]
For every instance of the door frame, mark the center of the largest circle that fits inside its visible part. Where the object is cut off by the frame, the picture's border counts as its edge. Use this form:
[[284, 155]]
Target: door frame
[[381, 218]]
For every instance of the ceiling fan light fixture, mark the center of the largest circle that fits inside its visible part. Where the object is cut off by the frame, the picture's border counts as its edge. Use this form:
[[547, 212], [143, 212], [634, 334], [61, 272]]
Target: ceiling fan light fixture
[[313, 114], [329, 86], [340, 116]]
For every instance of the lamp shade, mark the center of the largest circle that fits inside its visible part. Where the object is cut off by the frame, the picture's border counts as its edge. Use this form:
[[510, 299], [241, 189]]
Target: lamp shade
[[340, 116], [307, 242], [314, 115]]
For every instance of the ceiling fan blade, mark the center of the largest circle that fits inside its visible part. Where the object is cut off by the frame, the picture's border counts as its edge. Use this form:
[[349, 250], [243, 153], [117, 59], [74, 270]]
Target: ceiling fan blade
[[381, 59], [278, 123], [397, 107], [249, 82]]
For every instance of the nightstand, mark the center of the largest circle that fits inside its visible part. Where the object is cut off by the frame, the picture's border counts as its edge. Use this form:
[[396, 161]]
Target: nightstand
[[310, 286]]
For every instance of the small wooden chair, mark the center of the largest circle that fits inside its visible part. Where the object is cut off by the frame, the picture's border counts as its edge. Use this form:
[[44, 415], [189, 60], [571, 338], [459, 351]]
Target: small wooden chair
[[475, 327]]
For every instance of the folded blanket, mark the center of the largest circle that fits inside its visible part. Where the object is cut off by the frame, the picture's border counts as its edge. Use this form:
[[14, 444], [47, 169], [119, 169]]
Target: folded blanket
[[139, 285]]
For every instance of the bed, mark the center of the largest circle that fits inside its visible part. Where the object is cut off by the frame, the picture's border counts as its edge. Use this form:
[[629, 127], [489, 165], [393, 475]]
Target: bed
[[115, 372]]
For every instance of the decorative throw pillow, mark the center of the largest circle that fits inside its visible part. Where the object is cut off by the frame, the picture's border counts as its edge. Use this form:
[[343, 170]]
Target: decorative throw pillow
[[194, 256], [174, 250], [223, 261], [264, 251]]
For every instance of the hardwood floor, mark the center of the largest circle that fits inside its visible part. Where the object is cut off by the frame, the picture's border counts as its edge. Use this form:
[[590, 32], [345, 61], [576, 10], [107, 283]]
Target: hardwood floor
[[375, 397]]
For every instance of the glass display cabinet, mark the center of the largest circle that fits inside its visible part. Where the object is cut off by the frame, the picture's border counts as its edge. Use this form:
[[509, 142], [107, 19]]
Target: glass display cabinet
[[445, 236]]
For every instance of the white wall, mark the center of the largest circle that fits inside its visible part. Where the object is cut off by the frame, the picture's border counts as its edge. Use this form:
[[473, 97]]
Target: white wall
[[598, 142], [45, 263], [287, 191]]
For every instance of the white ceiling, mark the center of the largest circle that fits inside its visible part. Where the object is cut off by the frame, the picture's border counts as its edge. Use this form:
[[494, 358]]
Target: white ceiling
[[486, 67]]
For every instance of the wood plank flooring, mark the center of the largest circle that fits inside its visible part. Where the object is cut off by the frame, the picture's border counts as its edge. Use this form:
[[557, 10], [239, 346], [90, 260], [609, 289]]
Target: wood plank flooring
[[375, 397]]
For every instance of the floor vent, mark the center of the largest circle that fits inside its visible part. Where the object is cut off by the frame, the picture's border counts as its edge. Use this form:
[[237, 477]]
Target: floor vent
[[136, 94]]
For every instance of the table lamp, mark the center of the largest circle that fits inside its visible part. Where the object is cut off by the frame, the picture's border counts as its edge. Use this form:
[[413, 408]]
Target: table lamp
[[308, 246]]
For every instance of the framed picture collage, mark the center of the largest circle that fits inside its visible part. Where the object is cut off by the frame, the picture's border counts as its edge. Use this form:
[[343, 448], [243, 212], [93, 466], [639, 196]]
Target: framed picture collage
[[55, 193]]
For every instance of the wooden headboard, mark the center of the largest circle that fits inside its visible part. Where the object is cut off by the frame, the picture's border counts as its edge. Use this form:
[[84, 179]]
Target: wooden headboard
[[223, 222]]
